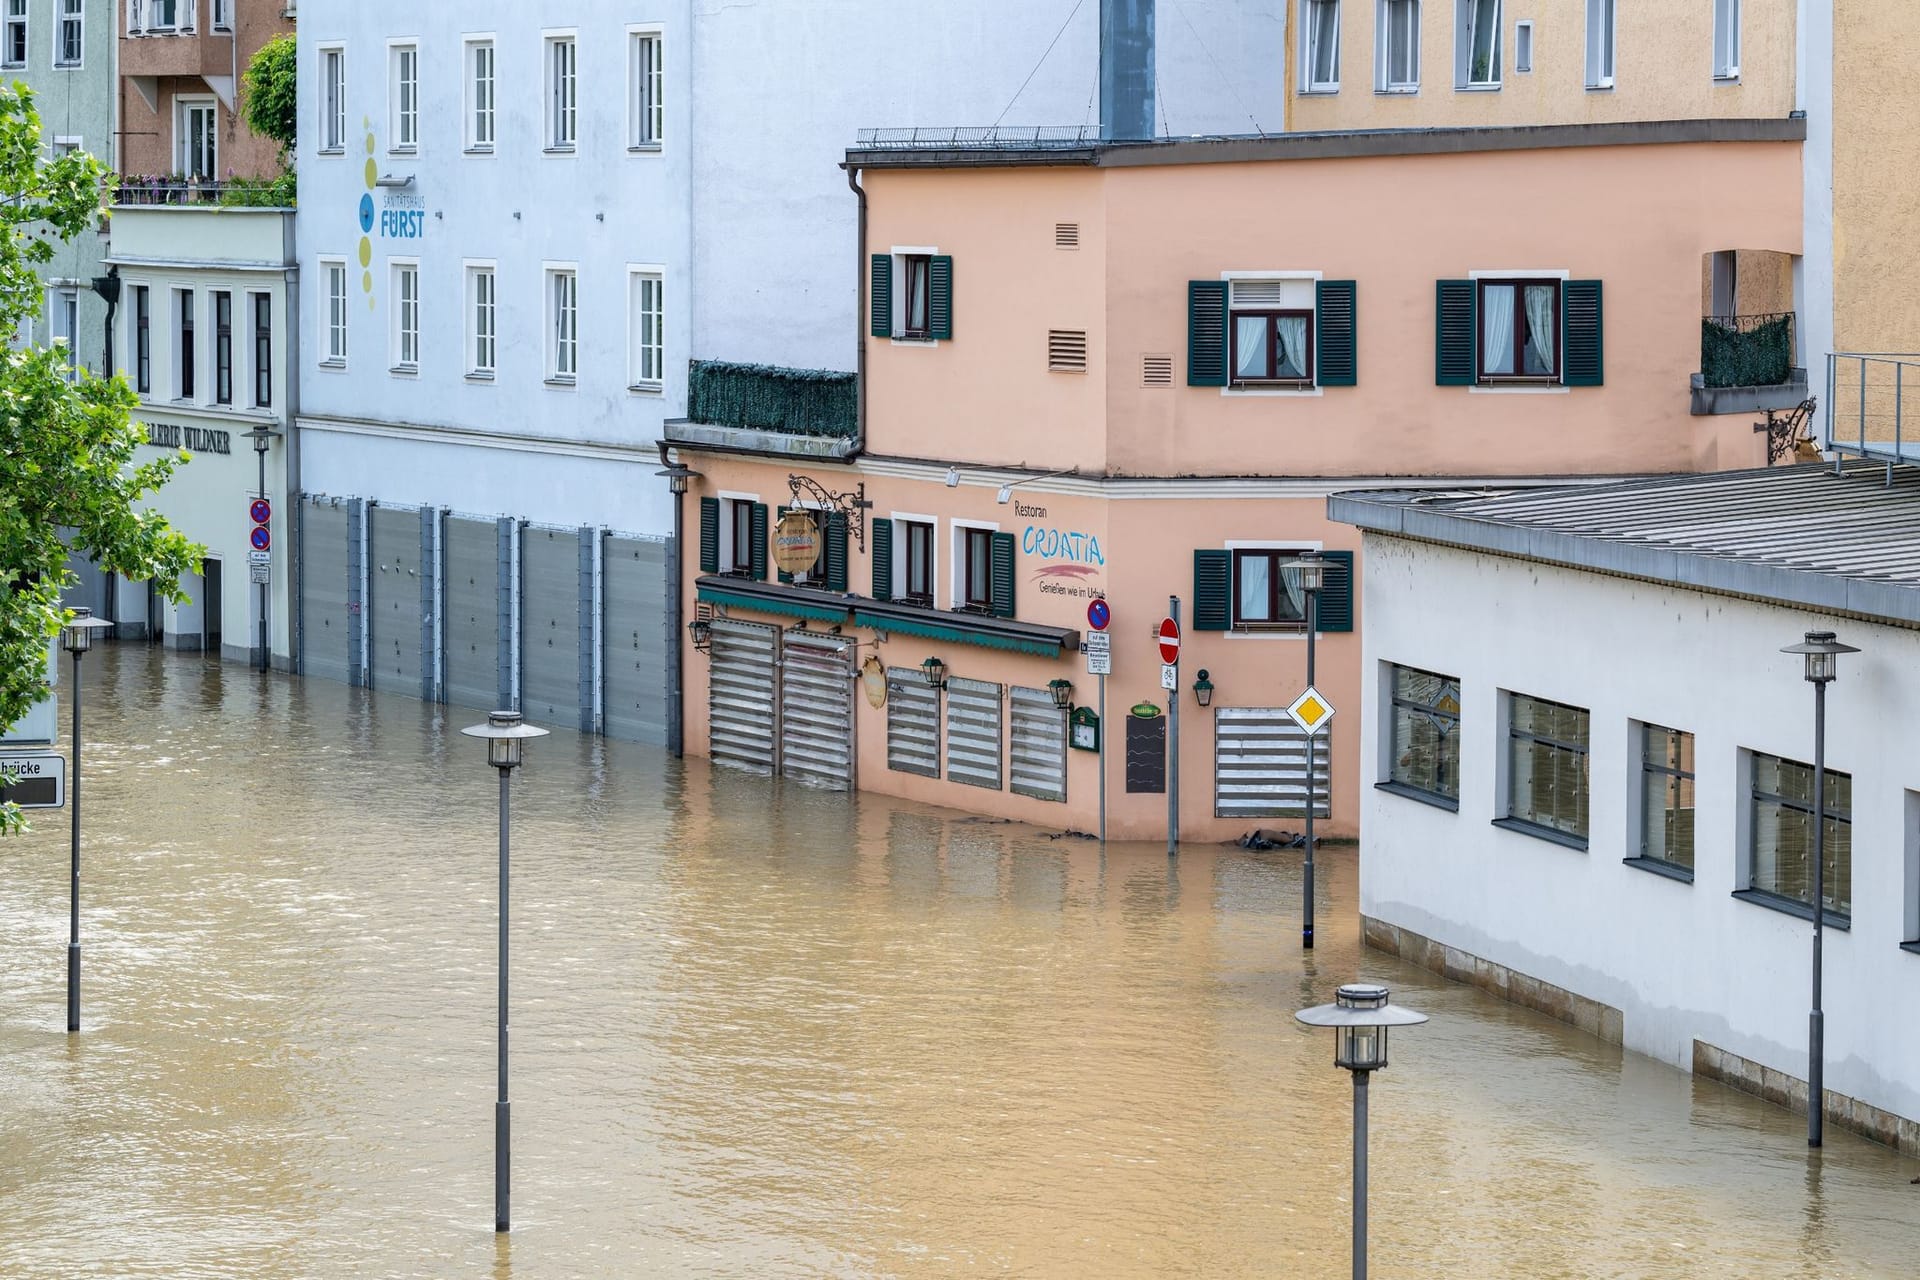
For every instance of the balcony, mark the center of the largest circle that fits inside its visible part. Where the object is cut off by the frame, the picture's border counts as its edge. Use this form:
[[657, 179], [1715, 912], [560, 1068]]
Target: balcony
[[1746, 365], [235, 193], [756, 408], [1867, 392], [187, 236], [151, 54]]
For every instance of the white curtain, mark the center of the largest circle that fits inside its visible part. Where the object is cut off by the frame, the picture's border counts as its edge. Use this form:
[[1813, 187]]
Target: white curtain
[[1250, 344], [1496, 344], [1295, 598], [1255, 574], [1293, 347], [1540, 328]]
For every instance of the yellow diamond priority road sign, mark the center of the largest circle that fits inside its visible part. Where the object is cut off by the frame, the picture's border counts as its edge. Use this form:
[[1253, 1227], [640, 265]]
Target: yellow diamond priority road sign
[[1311, 711]]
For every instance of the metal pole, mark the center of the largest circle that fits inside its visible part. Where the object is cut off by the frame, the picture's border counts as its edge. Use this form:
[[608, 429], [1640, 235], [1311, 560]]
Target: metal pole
[[1313, 789], [1360, 1175], [1816, 1023], [1103, 761], [676, 634], [73, 935], [502, 1113], [1173, 746], [266, 588]]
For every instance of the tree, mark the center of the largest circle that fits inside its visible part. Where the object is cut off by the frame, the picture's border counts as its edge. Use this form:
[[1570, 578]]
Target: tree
[[271, 82], [68, 476]]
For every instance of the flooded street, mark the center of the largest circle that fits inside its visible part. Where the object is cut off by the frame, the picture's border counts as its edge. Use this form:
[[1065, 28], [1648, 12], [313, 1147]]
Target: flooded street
[[763, 1031]]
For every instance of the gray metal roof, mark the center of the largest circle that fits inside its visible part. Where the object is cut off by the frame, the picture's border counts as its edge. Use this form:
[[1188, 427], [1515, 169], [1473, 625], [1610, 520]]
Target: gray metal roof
[[1842, 543]]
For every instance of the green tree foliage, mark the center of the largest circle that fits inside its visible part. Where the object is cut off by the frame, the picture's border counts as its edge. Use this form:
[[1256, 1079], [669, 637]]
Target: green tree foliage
[[271, 80], [68, 444]]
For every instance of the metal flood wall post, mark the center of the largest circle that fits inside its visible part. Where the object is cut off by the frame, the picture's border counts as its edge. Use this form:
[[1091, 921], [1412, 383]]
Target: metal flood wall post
[[503, 533], [356, 596], [296, 606], [429, 597], [588, 543]]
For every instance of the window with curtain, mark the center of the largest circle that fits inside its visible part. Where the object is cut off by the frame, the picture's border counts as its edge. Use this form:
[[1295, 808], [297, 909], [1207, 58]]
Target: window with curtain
[[915, 272], [563, 326], [1270, 332], [1666, 796], [1780, 853], [1547, 746], [1266, 593], [1426, 732], [918, 585], [1397, 35], [1320, 19], [1477, 44], [1519, 330]]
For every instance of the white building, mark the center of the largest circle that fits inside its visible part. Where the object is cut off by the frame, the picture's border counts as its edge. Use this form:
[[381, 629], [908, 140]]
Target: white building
[[1589, 756], [520, 224]]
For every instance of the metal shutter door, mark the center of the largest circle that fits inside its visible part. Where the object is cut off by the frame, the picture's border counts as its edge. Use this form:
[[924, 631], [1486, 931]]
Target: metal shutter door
[[633, 585], [1038, 758], [394, 623], [1260, 765], [913, 723], [550, 625], [973, 733], [740, 695], [324, 621], [472, 636], [816, 710]]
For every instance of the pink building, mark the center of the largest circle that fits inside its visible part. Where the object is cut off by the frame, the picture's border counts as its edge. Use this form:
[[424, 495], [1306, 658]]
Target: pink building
[[1133, 371]]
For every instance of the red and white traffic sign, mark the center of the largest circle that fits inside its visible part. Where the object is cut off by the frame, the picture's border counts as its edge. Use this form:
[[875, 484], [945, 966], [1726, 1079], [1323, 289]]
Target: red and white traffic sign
[[1169, 641]]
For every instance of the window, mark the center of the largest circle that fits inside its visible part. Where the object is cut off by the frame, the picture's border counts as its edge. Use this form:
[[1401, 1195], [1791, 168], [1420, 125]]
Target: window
[[976, 570], [1726, 39], [1425, 732], [1397, 46], [480, 321], [1547, 766], [1780, 846], [646, 331], [648, 109], [333, 100], [1266, 593], [222, 347], [1522, 47], [13, 48], [66, 144], [916, 271], [336, 273], [1320, 50], [1272, 332], [918, 584], [562, 115], [1912, 913], [1600, 44], [1476, 43], [156, 15], [1666, 797], [1519, 330], [406, 316], [223, 15], [563, 325], [142, 340], [196, 142], [262, 349], [63, 306], [403, 97], [71, 45], [741, 560], [184, 355], [480, 95]]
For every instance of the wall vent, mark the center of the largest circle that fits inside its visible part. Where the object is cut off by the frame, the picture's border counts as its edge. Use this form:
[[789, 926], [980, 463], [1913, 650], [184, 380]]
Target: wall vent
[[1067, 350], [1156, 371], [1066, 235]]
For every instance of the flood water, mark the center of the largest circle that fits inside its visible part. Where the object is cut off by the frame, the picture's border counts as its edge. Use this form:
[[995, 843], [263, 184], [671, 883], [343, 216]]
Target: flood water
[[763, 1031]]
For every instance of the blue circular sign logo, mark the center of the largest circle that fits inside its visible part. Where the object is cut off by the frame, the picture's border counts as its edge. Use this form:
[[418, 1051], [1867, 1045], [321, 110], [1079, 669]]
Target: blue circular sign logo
[[366, 213], [1098, 615]]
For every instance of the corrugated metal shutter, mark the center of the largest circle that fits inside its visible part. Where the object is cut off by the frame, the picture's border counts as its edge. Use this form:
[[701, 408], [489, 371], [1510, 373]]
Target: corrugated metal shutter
[[633, 586], [395, 612], [324, 621], [550, 625], [973, 732], [472, 636], [1260, 765], [1038, 757], [740, 695], [913, 723], [816, 710]]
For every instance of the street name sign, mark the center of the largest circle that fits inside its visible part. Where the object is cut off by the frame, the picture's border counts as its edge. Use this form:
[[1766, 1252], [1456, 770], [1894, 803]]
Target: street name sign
[[39, 779]]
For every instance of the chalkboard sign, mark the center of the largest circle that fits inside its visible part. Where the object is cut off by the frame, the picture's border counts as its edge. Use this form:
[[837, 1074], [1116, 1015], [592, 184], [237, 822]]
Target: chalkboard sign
[[1147, 755]]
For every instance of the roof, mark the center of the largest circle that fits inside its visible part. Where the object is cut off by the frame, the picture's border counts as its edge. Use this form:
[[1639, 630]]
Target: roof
[[1843, 540]]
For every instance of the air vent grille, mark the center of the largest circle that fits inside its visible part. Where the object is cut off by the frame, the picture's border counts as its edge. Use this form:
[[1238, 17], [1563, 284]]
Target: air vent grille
[[1156, 371], [1066, 235], [1067, 350], [1256, 293]]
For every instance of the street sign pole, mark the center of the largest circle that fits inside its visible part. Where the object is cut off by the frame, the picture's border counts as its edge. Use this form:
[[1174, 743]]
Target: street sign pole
[[1313, 790], [1099, 662], [1173, 742], [1103, 762]]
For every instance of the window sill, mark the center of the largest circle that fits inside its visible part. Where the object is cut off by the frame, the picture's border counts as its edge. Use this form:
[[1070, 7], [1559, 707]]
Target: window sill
[[1476, 88], [404, 370], [479, 375], [557, 151], [1432, 798], [1911, 946], [333, 364], [1790, 907], [1547, 834], [1601, 88], [1398, 91], [643, 149], [332, 151], [69, 66], [1520, 389], [1671, 871], [403, 151], [646, 388], [1732, 80], [914, 342], [1320, 90], [482, 149], [561, 381]]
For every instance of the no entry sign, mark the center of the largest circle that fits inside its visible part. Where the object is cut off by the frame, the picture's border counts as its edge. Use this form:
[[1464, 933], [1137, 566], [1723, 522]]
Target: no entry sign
[[1169, 641]]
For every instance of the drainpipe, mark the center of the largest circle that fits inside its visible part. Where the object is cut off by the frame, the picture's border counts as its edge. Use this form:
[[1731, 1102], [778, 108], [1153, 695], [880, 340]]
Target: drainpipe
[[859, 442], [107, 287], [676, 693]]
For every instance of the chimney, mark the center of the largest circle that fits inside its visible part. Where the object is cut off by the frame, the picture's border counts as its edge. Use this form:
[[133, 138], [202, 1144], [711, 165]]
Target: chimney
[[1126, 70]]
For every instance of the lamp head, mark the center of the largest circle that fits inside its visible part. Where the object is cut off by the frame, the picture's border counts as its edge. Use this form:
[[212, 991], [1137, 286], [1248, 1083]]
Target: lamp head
[[1062, 691], [678, 474], [953, 477], [1822, 653], [76, 637], [1360, 1015], [1203, 689], [936, 672], [1312, 570], [506, 734], [1006, 492]]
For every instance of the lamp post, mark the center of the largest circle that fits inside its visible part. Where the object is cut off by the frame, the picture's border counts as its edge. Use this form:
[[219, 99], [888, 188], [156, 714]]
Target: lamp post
[[76, 637], [679, 476], [1313, 575], [506, 739], [1360, 1016], [1822, 653], [263, 437]]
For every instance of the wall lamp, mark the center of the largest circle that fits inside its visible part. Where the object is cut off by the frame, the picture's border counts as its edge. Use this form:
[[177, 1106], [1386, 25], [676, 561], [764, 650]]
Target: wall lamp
[[678, 475], [935, 672], [953, 477], [1062, 691], [701, 630], [1006, 490], [1203, 689]]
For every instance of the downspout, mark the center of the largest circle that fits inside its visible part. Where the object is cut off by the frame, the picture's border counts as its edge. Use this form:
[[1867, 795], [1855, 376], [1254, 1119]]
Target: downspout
[[290, 484], [676, 694], [858, 444]]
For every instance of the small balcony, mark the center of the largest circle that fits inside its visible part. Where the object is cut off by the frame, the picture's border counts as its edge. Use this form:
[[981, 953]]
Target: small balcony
[[757, 408], [172, 51], [1868, 393], [234, 193], [1746, 364]]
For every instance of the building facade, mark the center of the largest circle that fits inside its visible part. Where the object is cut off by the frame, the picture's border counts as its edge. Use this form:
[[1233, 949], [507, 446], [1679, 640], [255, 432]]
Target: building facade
[[179, 88]]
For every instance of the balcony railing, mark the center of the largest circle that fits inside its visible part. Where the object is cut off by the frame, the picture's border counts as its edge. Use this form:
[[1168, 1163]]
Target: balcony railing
[[1747, 351], [1867, 392], [756, 397], [242, 193]]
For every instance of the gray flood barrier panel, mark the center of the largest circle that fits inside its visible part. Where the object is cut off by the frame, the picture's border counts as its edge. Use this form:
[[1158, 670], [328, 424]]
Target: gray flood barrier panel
[[324, 620], [472, 630], [816, 709], [550, 625], [394, 623], [633, 577]]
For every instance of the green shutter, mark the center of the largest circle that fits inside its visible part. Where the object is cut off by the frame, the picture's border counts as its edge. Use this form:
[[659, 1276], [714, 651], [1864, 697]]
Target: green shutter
[[1336, 596], [836, 551], [880, 304], [1212, 590], [1001, 575], [1206, 333], [881, 535], [1456, 322], [1580, 329], [940, 298], [1334, 346], [757, 553], [779, 514], [709, 535]]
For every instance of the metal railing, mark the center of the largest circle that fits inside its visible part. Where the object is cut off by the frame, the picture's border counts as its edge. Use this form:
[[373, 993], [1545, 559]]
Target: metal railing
[[1866, 398], [1747, 351], [166, 191], [975, 138]]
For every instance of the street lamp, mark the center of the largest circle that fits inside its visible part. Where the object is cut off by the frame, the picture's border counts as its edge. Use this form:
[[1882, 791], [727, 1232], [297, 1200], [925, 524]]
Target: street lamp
[[506, 742], [1203, 689], [76, 637], [1360, 1016], [1822, 653], [679, 477], [262, 438], [1313, 576], [1062, 691]]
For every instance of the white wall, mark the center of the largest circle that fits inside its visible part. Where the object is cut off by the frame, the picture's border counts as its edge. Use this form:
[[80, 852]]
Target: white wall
[[1682, 961]]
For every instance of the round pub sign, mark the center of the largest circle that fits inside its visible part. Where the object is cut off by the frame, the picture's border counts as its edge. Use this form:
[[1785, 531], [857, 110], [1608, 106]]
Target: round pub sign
[[796, 543]]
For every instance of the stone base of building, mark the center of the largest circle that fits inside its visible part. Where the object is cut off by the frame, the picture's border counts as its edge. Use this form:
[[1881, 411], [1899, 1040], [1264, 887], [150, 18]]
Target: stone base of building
[[1456, 965], [1783, 1090]]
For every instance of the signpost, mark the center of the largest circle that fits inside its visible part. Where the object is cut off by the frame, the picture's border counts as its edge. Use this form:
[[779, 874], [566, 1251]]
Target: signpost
[[1099, 647], [260, 559], [39, 780], [1169, 637]]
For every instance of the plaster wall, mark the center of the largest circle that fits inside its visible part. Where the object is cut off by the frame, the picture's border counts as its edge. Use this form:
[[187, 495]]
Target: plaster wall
[[1875, 149]]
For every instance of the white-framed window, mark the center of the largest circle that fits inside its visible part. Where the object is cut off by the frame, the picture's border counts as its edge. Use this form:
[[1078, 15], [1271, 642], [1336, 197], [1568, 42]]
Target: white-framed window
[[405, 357], [63, 321], [260, 307], [1271, 332], [196, 138], [563, 323], [479, 94], [1476, 44], [482, 319], [562, 83], [973, 566], [1522, 47], [1726, 39], [223, 15], [1320, 46], [65, 144], [222, 346], [70, 37], [13, 40], [403, 97], [915, 559], [1422, 734], [646, 328], [919, 295], [140, 320], [186, 358], [157, 17], [334, 318], [1600, 32], [333, 100], [646, 109], [1397, 47]]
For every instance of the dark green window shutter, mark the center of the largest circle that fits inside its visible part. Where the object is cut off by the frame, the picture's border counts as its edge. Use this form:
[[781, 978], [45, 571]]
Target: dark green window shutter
[[881, 536], [1206, 333], [1336, 597], [1580, 327], [940, 297], [1212, 590], [880, 304], [779, 514], [1334, 346], [757, 553], [1456, 323], [836, 551], [709, 535], [1001, 576]]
